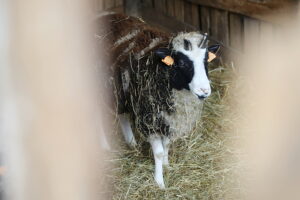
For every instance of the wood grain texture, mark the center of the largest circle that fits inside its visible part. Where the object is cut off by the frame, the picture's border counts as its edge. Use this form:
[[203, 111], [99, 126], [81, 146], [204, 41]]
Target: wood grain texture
[[179, 10], [188, 12], [256, 10], [191, 14], [164, 22], [108, 4], [147, 3], [205, 19], [236, 31], [160, 5], [99, 6], [171, 7], [220, 26], [195, 15], [119, 9], [118, 3], [251, 34], [132, 7]]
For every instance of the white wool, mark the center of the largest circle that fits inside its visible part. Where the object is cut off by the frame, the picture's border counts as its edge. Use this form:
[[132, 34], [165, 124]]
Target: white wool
[[126, 38], [200, 84], [188, 112], [125, 51], [154, 42], [194, 37]]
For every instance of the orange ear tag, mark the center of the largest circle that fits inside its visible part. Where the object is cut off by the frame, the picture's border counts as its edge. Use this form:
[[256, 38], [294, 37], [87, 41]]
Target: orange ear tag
[[211, 56], [168, 60]]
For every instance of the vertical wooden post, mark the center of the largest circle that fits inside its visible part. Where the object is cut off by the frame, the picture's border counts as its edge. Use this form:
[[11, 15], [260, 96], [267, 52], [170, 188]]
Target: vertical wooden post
[[236, 31], [160, 5], [133, 7], [48, 106], [179, 10], [219, 25], [109, 4], [205, 19], [251, 34], [191, 14], [171, 8]]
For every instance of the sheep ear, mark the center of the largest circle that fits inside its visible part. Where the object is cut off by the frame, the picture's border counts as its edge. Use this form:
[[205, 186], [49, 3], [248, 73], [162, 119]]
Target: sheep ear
[[162, 52], [212, 50], [165, 55]]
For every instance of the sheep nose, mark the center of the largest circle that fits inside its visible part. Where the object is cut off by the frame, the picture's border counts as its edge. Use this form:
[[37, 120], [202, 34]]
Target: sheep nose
[[201, 97], [205, 91]]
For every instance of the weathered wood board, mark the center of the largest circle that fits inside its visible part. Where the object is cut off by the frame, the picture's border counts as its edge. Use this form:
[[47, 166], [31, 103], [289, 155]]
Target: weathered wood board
[[237, 24]]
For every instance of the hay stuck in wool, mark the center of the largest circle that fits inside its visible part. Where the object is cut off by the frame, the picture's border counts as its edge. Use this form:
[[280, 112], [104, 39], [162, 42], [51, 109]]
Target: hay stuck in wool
[[202, 163]]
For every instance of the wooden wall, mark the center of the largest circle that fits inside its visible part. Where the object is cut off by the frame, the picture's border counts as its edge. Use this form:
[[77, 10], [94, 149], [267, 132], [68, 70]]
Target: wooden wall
[[115, 5], [228, 21]]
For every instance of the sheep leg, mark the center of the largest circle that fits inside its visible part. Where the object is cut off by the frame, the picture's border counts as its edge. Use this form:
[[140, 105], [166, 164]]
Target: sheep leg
[[158, 152], [126, 130], [166, 144]]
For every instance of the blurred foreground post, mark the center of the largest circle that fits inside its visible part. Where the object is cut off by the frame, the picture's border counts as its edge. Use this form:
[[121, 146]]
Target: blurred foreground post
[[271, 116], [49, 110]]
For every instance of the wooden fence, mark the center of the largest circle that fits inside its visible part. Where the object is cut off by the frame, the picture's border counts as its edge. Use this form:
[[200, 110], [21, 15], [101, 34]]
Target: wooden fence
[[232, 22], [101, 5]]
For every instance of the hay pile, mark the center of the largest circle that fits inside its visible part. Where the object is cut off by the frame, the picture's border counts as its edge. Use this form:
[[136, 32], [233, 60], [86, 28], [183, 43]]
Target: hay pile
[[202, 164]]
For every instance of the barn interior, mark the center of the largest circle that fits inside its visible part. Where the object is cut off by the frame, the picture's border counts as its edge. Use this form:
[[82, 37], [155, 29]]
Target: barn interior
[[40, 151]]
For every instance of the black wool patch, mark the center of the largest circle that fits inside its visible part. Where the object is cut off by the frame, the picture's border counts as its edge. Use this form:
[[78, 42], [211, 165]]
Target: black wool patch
[[182, 71]]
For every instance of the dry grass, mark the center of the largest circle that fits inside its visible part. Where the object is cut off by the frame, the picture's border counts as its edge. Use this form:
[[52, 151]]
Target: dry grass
[[202, 164]]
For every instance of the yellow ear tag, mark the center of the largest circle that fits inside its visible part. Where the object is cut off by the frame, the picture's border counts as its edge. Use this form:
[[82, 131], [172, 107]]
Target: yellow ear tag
[[211, 56], [168, 60]]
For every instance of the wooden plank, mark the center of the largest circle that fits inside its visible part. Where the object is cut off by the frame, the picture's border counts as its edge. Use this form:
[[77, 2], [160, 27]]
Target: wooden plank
[[119, 3], [147, 3], [187, 12], [267, 11], [179, 10], [108, 4], [171, 7], [99, 6], [132, 7], [236, 31], [195, 16], [165, 22], [205, 19], [220, 26], [119, 9], [191, 14], [251, 34], [266, 33], [160, 5]]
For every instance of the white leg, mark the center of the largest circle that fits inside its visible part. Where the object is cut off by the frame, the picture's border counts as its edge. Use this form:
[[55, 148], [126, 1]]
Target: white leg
[[166, 144], [158, 151], [126, 130]]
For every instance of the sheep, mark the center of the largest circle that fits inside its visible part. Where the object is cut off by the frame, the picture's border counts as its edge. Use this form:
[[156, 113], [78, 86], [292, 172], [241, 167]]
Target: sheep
[[160, 81]]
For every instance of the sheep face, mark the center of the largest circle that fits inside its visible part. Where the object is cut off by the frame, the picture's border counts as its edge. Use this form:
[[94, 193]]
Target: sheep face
[[190, 56]]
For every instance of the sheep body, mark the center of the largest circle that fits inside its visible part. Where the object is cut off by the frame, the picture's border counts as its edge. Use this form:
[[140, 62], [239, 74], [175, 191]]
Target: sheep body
[[150, 92]]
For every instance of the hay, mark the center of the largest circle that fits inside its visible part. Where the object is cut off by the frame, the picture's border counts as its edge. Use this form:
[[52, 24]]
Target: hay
[[202, 164]]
